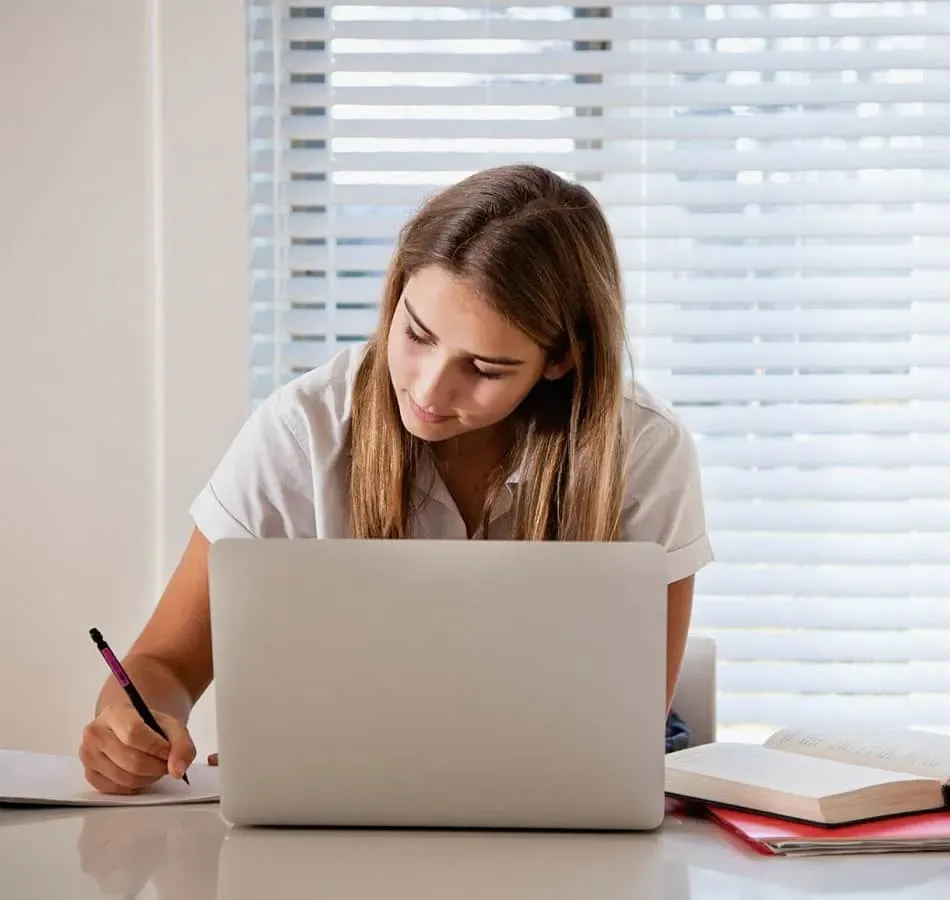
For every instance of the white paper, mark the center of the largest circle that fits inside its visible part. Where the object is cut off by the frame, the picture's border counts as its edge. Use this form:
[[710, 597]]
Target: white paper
[[45, 779]]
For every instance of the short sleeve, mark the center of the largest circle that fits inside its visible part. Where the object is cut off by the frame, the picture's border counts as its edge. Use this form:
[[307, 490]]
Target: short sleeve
[[664, 496], [262, 487]]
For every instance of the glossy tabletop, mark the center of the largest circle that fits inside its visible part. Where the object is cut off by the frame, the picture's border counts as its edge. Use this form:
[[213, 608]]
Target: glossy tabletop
[[190, 853]]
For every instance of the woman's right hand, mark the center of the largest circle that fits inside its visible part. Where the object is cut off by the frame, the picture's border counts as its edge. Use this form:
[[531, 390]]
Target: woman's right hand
[[122, 755]]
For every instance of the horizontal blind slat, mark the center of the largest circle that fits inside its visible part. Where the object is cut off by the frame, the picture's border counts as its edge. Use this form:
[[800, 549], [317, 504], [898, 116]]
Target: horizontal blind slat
[[608, 62], [920, 516], [845, 645], [623, 5], [695, 96], [828, 613], [918, 385], [657, 255], [662, 320], [922, 385], [631, 223], [816, 418], [603, 161], [730, 355], [826, 548], [791, 709], [458, 124], [609, 29], [653, 298], [753, 580], [299, 193], [835, 678], [860, 482]]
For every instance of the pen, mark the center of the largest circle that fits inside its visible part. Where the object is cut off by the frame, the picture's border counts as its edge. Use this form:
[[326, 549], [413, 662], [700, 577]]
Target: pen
[[126, 682]]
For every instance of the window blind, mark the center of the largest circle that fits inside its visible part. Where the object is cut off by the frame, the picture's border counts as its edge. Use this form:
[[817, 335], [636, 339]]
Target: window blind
[[777, 176]]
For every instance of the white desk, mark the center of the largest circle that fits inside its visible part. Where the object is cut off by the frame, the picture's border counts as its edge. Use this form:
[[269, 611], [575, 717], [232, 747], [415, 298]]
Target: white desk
[[189, 853]]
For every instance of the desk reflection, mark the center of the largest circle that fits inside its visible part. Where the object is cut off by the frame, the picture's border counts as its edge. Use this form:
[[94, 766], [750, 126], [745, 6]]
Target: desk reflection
[[175, 849], [372, 865], [179, 853]]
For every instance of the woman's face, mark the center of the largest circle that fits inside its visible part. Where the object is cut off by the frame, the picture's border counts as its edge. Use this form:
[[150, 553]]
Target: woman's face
[[456, 365]]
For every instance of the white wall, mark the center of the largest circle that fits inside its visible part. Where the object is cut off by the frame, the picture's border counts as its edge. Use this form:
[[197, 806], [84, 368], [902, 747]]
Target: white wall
[[122, 348]]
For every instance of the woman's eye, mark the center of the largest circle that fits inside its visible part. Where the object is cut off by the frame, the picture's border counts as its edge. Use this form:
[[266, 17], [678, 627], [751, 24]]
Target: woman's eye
[[414, 336], [417, 338]]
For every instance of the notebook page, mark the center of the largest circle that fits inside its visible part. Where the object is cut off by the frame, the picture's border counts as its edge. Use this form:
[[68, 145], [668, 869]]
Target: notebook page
[[49, 780], [921, 753]]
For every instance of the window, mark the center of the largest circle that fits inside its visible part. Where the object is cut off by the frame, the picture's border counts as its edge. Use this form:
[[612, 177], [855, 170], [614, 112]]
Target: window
[[777, 176]]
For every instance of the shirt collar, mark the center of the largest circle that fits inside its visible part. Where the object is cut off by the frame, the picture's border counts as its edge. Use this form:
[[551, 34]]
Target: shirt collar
[[428, 484]]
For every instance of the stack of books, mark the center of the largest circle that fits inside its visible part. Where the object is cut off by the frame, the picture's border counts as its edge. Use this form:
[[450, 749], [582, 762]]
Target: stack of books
[[828, 789]]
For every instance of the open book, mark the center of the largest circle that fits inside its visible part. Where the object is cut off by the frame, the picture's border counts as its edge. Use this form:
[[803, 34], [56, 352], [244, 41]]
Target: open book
[[829, 775], [44, 779]]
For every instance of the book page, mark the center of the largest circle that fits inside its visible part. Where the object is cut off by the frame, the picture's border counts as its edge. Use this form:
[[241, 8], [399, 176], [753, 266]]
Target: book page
[[756, 769], [43, 779], [895, 749]]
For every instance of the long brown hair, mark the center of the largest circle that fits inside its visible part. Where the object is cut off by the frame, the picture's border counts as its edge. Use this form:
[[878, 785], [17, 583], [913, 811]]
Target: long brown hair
[[540, 249]]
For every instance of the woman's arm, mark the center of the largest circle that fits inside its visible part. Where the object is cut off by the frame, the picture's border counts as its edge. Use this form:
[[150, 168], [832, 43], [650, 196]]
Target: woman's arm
[[679, 606], [170, 662]]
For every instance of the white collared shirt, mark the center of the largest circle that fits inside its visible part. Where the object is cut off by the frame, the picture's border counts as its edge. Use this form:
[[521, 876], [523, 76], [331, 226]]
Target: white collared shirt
[[286, 475]]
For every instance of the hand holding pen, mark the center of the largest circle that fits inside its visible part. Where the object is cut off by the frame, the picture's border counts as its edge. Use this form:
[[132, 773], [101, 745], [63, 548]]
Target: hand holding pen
[[126, 748]]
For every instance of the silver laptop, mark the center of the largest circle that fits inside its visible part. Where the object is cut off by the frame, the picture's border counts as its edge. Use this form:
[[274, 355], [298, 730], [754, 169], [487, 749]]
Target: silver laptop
[[440, 684]]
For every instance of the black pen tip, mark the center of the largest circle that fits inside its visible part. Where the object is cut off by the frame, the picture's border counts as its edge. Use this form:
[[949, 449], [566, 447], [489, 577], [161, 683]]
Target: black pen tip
[[96, 635]]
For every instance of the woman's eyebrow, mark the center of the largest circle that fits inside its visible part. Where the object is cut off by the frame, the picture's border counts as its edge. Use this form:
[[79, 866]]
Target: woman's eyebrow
[[491, 360], [418, 322]]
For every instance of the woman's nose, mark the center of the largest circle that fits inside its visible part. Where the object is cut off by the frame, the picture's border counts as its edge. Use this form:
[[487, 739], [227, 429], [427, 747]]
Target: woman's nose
[[435, 389]]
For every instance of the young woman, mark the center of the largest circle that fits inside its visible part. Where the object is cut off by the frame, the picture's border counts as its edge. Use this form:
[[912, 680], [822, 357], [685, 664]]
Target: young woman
[[489, 404]]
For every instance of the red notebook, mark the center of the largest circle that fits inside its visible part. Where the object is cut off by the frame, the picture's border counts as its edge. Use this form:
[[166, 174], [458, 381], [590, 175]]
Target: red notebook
[[781, 837]]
